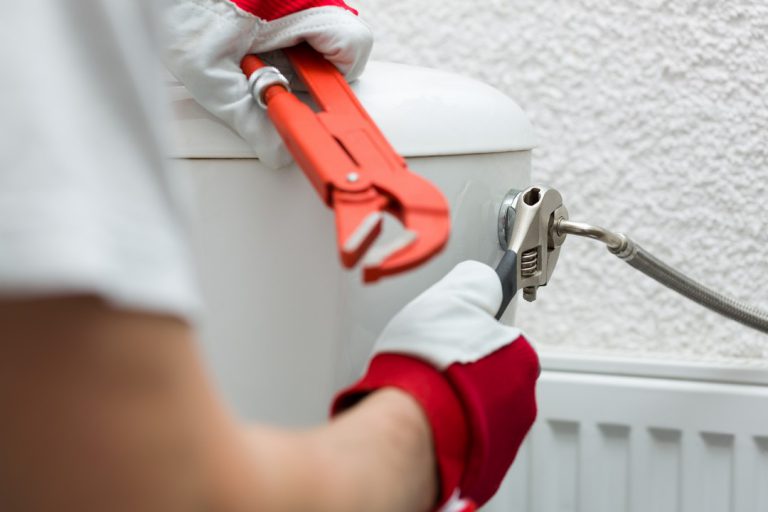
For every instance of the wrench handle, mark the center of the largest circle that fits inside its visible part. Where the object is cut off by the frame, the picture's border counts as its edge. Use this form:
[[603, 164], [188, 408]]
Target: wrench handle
[[507, 272]]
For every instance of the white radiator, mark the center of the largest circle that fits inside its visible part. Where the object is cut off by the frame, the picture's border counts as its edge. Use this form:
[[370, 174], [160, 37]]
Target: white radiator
[[614, 436]]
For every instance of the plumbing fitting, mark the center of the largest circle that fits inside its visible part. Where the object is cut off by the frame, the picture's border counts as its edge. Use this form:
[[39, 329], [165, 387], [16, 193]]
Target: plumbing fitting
[[534, 223], [262, 79]]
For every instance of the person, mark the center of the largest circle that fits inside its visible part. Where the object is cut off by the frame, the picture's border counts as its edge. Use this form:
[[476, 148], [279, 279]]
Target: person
[[104, 399]]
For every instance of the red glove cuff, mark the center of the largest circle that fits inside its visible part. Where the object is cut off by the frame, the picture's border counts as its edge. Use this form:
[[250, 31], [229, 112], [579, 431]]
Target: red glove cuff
[[269, 10], [479, 412], [498, 395], [438, 400]]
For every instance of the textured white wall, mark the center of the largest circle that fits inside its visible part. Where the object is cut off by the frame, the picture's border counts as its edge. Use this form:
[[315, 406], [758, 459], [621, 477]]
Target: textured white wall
[[652, 119]]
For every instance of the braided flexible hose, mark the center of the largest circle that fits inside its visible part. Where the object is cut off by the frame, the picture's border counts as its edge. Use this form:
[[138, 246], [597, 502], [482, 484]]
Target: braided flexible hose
[[631, 252]]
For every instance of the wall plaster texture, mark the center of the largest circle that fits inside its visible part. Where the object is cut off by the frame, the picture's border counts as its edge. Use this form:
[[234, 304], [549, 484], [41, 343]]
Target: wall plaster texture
[[652, 119]]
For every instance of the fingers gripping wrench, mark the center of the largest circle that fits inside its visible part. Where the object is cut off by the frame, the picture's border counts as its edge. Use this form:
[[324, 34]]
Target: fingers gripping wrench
[[351, 165]]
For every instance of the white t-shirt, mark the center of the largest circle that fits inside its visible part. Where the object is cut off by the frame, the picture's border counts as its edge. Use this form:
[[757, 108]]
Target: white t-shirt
[[86, 203]]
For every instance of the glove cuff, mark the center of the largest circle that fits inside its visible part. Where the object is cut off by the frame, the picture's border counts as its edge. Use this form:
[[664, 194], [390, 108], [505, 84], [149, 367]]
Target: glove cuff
[[275, 9], [439, 402], [498, 397]]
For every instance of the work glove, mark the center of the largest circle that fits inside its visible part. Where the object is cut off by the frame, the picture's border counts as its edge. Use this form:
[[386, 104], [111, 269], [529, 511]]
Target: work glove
[[207, 39], [473, 377]]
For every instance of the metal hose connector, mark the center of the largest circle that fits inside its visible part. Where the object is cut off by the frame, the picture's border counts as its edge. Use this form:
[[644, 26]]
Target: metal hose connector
[[626, 249]]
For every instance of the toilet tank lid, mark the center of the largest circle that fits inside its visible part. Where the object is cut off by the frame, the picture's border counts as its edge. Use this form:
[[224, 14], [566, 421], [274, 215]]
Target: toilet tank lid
[[423, 112]]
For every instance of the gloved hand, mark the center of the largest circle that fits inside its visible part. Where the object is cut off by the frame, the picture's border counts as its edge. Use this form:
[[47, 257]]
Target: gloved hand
[[208, 38], [473, 376]]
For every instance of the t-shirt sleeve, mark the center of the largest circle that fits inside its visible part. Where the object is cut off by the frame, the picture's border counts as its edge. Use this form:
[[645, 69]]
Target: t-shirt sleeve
[[86, 201]]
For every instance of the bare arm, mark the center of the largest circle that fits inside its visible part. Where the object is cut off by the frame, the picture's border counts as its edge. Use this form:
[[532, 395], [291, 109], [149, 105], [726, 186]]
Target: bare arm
[[111, 410]]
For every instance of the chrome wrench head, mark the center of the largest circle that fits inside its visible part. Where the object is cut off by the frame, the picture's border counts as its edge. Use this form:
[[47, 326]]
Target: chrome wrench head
[[527, 221]]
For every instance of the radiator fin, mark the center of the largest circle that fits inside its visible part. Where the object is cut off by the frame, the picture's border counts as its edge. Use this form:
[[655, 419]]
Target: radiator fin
[[564, 483], [761, 473], [610, 493], [662, 490], [713, 461]]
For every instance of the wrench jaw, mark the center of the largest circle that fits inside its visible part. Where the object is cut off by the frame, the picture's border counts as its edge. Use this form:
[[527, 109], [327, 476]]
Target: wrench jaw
[[423, 211], [353, 248], [426, 234], [358, 223], [401, 260]]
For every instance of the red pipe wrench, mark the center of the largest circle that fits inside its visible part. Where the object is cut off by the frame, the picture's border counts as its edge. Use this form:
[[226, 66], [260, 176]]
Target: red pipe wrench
[[351, 165]]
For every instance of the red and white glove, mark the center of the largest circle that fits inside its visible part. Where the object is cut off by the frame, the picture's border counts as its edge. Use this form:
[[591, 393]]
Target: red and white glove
[[473, 376], [207, 39]]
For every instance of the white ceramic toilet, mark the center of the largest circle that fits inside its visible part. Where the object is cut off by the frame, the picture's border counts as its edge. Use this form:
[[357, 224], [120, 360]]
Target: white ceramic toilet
[[285, 324]]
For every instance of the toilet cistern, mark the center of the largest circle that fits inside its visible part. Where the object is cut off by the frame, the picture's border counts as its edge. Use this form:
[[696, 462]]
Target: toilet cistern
[[352, 166]]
